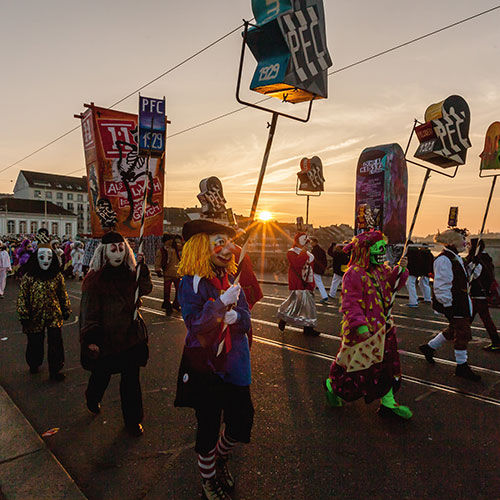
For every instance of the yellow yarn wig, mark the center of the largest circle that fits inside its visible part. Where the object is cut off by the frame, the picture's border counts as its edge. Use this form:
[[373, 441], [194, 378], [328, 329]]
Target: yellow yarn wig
[[196, 258]]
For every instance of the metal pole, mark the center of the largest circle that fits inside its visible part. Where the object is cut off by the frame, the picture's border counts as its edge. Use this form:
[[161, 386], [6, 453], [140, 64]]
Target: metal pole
[[307, 211], [270, 137]]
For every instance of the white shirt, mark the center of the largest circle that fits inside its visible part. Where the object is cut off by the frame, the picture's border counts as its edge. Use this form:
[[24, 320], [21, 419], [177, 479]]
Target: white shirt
[[4, 260]]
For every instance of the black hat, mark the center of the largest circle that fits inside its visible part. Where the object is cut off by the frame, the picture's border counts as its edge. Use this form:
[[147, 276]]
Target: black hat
[[205, 226], [112, 237], [167, 237]]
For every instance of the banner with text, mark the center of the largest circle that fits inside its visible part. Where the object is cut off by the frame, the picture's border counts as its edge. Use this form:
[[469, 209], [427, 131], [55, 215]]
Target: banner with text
[[116, 175]]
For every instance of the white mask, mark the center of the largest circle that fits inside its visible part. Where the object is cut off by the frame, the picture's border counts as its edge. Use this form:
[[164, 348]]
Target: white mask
[[44, 258], [115, 253], [303, 240]]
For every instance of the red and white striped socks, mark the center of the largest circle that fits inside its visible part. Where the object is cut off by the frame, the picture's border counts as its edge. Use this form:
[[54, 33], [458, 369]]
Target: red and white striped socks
[[225, 444], [206, 464]]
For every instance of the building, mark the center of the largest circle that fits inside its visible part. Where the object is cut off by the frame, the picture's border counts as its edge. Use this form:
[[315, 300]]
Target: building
[[19, 216], [64, 191], [173, 219]]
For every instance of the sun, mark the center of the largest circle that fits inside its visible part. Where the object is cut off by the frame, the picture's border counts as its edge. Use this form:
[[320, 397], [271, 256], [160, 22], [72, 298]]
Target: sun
[[265, 216]]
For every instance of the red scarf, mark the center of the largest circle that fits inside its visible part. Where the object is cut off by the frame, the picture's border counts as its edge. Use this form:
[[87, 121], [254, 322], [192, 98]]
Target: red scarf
[[222, 284]]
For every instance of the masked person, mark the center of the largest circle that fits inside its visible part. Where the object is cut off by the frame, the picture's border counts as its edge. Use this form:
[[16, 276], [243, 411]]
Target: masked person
[[299, 309], [367, 364], [43, 304], [451, 298], [215, 374], [111, 340], [166, 263]]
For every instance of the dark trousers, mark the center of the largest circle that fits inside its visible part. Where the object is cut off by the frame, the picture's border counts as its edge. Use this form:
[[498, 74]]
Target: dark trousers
[[55, 349], [234, 405], [459, 331], [167, 285], [130, 392], [480, 306]]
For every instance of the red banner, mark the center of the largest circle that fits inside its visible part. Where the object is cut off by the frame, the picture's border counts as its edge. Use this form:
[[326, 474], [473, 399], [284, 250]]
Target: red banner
[[116, 175]]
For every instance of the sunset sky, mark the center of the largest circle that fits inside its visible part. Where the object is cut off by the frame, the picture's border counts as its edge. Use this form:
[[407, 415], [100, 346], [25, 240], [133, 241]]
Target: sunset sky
[[57, 55]]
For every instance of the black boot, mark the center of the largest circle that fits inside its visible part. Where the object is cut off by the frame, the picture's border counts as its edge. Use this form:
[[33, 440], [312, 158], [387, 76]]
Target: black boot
[[281, 325], [428, 352], [213, 490], [168, 308], [310, 331], [463, 370], [223, 474]]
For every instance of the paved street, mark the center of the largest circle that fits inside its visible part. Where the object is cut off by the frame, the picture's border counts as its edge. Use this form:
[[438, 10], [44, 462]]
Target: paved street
[[301, 448]]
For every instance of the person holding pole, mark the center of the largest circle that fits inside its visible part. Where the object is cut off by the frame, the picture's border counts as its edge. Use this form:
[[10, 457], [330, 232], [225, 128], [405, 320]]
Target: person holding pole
[[112, 340], [480, 287], [215, 373], [451, 298], [367, 364]]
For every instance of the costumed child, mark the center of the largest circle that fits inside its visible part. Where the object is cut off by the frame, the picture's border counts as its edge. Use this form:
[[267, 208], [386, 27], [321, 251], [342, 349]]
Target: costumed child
[[299, 309], [215, 374], [367, 364], [111, 340], [43, 304]]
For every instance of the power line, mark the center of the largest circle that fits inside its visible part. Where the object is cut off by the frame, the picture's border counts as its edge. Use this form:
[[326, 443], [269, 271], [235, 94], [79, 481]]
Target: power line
[[224, 115]]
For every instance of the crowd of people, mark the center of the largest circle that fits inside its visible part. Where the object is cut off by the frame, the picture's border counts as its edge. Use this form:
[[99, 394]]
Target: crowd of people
[[215, 290]]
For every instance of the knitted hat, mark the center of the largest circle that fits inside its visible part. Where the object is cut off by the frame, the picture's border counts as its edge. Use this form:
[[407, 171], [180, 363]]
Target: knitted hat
[[112, 237]]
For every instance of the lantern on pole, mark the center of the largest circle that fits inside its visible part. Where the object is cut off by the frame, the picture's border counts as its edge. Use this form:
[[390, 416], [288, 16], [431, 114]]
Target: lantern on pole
[[211, 197], [310, 180]]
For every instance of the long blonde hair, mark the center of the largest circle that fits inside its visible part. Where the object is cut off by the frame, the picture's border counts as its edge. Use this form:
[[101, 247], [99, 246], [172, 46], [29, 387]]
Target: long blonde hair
[[196, 258]]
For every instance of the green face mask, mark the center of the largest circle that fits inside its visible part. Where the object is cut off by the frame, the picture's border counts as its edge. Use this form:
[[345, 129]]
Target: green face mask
[[377, 252]]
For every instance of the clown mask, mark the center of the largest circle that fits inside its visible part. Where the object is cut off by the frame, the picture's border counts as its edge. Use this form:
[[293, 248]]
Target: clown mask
[[44, 258], [377, 252], [302, 240], [220, 250], [115, 253]]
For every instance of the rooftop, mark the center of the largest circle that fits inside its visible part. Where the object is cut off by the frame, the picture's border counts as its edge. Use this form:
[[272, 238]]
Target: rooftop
[[19, 205], [54, 181]]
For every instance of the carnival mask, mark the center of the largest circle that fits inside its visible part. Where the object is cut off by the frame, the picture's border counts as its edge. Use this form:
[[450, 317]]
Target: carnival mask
[[115, 253], [44, 257], [220, 251], [303, 240], [377, 252]]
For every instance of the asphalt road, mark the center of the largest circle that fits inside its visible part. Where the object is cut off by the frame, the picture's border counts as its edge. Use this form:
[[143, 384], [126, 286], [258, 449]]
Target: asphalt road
[[301, 448]]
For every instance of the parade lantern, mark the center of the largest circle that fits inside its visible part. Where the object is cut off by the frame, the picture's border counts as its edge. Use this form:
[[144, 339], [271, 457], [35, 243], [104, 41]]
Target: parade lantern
[[453, 217], [444, 137], [211, 197], [310, 180], [289, 43], [382, 192], [116, 175]]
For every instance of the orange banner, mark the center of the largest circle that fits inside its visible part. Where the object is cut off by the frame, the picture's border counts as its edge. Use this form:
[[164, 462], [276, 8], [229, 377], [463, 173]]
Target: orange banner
[[116, 175]]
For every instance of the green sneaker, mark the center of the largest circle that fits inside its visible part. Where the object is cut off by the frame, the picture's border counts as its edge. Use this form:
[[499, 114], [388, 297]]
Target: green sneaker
[[398, 411], [332, 399], [492, 348]]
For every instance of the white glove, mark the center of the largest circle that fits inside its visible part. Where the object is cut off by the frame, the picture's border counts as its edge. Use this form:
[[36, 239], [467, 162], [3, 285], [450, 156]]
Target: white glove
[[231, 317], [230, 296]]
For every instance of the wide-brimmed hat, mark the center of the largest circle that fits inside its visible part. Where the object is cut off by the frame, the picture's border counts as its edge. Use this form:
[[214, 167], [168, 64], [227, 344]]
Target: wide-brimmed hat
[[205, 226], [453, 237]]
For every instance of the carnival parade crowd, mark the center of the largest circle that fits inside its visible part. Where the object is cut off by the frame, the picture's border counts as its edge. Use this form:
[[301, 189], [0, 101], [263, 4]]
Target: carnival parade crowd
[[215, 290]]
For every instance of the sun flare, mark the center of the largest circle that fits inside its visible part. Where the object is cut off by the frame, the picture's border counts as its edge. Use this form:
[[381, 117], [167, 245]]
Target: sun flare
[[265, 216]]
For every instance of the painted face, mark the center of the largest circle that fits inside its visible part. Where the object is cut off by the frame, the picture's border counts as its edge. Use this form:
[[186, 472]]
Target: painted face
[[464, 245], [377, 252], [115, 253], [303, 240], [220, 250], [44, 258]]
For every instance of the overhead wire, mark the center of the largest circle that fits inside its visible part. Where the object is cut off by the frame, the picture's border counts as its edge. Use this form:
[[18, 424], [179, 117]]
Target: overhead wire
[[224, 115]]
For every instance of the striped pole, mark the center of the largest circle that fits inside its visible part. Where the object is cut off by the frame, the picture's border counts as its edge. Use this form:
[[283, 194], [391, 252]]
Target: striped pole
[[405, 248]]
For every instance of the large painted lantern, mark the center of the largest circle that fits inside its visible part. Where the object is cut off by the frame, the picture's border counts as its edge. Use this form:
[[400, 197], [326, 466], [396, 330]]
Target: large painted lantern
[[211, 197], [310, 177], [382, 191], [444, 137], [490, 157], [289, 43]]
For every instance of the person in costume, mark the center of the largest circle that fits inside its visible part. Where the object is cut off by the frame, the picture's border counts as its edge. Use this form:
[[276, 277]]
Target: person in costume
[[215, 374], [77, 259], [111, 340], [319, 268], [484, 269], [167, 261], [451, 298], [42, 305], [340, 260], [367, 364], [299, 309], [5, 267]]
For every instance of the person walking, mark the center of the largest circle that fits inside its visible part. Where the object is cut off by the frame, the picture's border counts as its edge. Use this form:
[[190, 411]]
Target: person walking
[[319, 268], [167, 261], [299, 308], [414, 268], [451, 298], [77, 260], [484, 269], [427, 262], [339, 265], [111, 340], [5, 267]]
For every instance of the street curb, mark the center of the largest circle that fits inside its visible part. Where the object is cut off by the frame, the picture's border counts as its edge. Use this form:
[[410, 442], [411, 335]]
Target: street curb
[[28, 469]]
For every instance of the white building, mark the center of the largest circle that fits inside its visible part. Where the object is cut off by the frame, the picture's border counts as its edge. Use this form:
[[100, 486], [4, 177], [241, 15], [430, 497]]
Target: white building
[[67, 192], [19, 216]]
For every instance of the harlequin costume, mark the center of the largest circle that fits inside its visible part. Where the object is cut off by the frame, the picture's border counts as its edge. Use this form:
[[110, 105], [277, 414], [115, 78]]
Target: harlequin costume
[[299, 309], [42, 305], [214, 375], [367, 364]]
